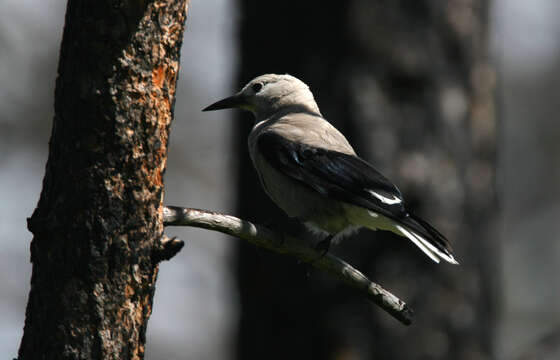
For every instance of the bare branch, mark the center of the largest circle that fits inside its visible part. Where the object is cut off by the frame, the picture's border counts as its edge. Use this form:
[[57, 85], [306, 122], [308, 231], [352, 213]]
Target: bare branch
[[301, 248]]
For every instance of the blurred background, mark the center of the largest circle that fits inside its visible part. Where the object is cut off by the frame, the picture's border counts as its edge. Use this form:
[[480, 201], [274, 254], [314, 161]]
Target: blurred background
[[456, 101]]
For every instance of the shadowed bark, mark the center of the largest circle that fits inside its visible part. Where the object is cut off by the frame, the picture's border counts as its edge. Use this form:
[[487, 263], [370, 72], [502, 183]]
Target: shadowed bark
[[98, 223]]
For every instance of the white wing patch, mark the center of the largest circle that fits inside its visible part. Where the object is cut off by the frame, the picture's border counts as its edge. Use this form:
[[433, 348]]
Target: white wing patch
[[384, 199]]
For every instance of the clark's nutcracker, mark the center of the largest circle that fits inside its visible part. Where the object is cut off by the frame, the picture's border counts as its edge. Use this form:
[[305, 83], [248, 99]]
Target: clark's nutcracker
[[310, 170]]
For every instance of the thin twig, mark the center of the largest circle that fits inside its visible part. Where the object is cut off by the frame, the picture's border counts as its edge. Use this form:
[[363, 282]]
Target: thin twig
[[300, 248]]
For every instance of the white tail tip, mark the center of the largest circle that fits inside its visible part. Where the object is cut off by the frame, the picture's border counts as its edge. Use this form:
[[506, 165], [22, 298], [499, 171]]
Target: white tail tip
[[429, 249]]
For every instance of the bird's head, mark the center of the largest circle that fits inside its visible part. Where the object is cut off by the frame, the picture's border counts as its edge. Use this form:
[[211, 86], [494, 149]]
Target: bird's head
[[267, 94]]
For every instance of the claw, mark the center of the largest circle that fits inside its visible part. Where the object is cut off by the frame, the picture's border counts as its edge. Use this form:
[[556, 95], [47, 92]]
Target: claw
[[324, 245]]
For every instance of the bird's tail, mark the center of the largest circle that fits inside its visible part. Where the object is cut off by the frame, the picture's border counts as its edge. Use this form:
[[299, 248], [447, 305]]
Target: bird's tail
[[427, 238], [422, 234]]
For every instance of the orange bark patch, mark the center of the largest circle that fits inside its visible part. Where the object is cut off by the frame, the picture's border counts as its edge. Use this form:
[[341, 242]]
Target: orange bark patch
[[158, 75]]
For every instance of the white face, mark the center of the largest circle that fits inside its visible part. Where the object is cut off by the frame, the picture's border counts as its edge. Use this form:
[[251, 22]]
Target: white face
[[268, 91]]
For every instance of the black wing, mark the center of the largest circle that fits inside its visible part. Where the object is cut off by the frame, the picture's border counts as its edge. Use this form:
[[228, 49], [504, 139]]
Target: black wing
[[346, 178], [334, 174]]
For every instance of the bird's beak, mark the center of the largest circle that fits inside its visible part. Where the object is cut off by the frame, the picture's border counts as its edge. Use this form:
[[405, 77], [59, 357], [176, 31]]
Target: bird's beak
[[235, 101]]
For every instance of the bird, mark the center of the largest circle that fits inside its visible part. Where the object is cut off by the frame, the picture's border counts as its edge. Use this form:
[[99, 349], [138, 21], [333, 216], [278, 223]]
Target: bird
[[310, 170]]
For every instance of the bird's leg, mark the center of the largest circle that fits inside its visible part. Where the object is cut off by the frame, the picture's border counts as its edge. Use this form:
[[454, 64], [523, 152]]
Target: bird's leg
[[286, 225], [275, 227], [324, 245]]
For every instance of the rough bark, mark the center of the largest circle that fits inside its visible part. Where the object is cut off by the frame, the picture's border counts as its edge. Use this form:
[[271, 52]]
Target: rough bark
[[409, 83], [98, 224]]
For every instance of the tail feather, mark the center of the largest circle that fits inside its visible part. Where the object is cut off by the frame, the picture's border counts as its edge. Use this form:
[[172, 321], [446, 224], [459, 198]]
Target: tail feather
[[426, 246], [418, 241], [434, 239], [422, 234], [428, 236]]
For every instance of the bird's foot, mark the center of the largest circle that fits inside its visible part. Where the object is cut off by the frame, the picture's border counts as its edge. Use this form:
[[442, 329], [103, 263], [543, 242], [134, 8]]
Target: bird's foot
[[324, 245], [306, 268], [277, 228]]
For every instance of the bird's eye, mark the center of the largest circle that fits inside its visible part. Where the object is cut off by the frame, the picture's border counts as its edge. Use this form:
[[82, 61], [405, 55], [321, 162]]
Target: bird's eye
[[256, 87]]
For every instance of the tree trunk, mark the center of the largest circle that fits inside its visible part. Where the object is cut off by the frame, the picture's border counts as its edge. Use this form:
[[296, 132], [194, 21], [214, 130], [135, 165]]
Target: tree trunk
[[98, 223], [409, 84]]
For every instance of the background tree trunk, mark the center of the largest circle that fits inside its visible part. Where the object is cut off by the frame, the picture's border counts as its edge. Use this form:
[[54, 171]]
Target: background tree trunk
[[98, 222], [409, 84]]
